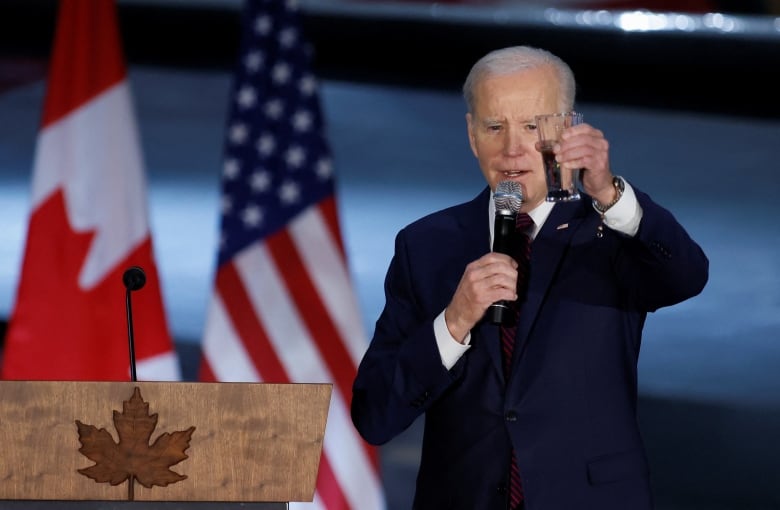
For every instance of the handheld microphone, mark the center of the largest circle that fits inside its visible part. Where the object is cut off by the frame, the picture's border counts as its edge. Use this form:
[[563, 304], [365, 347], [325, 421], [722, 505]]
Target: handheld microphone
[[508, 198], [134, 278]]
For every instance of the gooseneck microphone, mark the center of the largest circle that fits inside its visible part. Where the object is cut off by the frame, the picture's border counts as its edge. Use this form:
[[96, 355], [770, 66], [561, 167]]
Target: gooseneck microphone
[[508, 198], [134, 279]]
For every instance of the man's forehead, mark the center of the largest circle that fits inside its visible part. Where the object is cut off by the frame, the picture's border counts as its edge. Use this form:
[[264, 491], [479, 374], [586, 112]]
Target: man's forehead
[[518, 119]]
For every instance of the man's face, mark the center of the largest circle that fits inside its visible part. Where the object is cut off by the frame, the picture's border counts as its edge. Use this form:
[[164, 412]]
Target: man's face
[[502, 130]]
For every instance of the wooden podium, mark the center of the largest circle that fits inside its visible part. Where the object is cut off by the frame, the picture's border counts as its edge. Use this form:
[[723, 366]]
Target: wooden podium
[[257, 444]]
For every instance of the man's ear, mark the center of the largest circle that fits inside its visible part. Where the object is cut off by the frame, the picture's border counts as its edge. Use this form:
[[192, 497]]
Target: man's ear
[[471, 134]]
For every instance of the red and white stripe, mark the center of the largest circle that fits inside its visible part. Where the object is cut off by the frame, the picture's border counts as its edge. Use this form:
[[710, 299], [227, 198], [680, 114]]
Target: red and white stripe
[[284, 311]]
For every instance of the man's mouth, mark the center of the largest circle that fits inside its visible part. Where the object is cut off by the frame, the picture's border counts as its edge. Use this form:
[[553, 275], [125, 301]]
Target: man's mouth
[[514, 173]]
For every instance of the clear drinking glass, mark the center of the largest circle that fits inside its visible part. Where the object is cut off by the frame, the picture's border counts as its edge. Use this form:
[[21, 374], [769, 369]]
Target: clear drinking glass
[[562, 185]]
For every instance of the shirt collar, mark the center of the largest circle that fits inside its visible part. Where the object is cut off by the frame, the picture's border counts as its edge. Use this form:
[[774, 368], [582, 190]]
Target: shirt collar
[[539, 214]]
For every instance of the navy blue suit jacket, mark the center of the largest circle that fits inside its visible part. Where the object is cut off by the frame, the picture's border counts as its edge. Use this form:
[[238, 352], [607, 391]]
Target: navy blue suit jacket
[[569, 408]]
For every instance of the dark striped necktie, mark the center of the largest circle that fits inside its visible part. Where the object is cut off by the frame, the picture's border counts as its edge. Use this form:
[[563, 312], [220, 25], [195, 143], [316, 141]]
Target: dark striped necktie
[[522, 255], [508, 334]]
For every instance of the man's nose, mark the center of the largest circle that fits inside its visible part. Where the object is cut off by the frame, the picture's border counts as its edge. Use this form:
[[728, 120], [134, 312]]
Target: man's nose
[[516, 143]]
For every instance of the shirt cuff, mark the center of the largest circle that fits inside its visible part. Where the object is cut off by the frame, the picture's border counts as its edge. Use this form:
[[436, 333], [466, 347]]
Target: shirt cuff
[[626, 214], [450, 349]]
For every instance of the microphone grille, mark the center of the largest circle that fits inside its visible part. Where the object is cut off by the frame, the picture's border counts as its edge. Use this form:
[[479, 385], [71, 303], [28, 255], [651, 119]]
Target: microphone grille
[[508, 196]]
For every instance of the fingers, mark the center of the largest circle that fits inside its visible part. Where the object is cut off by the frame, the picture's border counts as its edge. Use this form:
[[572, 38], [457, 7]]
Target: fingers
[[491, 278], [584, 147]]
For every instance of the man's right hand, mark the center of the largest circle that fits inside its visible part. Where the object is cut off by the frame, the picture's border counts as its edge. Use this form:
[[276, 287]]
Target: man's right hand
[[490, 278]]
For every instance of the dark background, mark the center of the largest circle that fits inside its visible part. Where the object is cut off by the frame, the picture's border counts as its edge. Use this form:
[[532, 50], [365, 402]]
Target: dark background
[[692, 116], [707, 67]]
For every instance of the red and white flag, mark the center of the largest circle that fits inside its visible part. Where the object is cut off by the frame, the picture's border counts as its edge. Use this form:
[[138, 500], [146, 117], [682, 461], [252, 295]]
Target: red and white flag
[[89, 221], [283, 309]]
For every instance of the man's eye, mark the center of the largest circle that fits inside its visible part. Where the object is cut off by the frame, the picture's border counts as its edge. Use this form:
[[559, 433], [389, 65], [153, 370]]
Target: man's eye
[[530, 127], [495, 127]]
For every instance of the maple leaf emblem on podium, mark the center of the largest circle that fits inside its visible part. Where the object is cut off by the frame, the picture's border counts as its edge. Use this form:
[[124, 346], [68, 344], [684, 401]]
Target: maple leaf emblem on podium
[[133, 458]]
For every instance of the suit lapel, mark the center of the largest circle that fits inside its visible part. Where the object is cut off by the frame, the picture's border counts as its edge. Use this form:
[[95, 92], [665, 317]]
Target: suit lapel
[[547, 251], [474, 230], [476, 234]]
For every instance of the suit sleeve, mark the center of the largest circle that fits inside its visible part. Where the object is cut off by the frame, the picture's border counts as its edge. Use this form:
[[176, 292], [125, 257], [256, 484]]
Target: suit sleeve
[[401, 373], [661, 265]]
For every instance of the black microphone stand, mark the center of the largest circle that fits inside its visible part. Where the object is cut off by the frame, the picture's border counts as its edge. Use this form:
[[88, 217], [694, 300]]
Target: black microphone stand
[[134, 278], [130, 339]]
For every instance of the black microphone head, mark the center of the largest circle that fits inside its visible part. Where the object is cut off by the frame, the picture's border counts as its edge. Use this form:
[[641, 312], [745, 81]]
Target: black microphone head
[[134, 278], [508, 197]]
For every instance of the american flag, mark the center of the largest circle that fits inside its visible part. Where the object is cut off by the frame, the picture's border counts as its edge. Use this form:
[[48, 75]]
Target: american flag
[[283, 309]]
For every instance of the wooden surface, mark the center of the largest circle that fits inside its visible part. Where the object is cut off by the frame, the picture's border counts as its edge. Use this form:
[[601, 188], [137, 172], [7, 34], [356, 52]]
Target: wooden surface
[[136, 505], [252, 442]]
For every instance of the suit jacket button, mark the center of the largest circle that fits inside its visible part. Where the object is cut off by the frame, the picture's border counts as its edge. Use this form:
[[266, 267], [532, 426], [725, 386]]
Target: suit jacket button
[[510, 416]]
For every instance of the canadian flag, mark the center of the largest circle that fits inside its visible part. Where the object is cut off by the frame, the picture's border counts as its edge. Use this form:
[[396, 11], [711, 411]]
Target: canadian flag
[[88, 222]]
